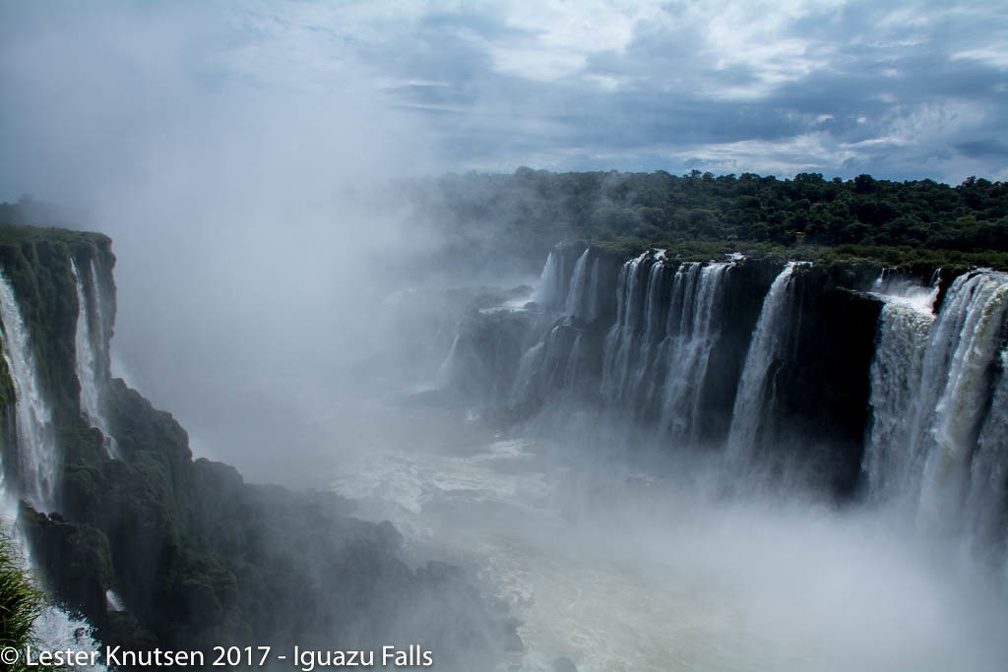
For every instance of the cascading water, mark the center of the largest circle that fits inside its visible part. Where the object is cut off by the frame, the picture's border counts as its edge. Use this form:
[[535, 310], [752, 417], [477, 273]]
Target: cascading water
[[551, 360], [937, 401], [966, 398], [38, 462], [986, 507], [592, 309], [620, 355], [446, 371], [764, 349], [550, 290], [578, 294], [896, 375], [87, 360], [687, 350], [38, 459], [614, 561], [528, 368]]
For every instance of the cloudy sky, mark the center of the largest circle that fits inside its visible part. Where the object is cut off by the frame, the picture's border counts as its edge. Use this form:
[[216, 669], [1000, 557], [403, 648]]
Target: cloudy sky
[[896, 89]]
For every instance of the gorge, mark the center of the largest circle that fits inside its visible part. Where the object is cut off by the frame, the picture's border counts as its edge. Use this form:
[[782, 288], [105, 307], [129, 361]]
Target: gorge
[[645, 463]]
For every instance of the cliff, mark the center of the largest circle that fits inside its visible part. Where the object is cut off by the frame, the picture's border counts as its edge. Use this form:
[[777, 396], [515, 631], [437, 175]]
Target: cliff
[[779, 368], [112, 500]]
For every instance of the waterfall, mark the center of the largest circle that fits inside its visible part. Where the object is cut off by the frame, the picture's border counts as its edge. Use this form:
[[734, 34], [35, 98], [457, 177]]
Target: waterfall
[[36, 444], [962, 404], [896, 373], [620, 350], [87, 361], [528, 369], [592, 309], [764, 350], [37, 469], [571, 372], [940, 402], [656, 354], [447, 371], [577, 294], [986, 506], [549, 292], [687, 349]]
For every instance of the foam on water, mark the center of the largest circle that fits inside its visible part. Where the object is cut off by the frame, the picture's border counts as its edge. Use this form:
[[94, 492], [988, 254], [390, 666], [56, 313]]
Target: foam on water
[[625, 574]]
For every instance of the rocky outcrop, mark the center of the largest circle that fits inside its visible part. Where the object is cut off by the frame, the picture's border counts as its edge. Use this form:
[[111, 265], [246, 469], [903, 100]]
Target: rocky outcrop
[[665, 342], [198, 557]]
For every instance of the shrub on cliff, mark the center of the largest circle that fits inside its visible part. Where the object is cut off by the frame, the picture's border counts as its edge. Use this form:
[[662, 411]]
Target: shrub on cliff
[[21, 603]]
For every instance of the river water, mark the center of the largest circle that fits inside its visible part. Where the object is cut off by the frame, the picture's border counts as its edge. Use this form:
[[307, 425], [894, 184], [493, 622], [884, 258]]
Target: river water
[[620, 565]]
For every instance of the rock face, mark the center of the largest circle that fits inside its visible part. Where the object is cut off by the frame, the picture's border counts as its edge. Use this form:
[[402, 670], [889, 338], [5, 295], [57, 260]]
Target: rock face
[[771, 363], [198, 557]]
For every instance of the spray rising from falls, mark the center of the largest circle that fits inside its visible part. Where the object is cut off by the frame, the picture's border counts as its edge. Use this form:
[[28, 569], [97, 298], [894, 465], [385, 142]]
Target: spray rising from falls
[[938, 395], [89, 339]]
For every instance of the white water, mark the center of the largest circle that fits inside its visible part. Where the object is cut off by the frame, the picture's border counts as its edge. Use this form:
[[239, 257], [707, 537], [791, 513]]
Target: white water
[[750, 399], [635, 568], [623, 360], [577, 296], [525, 377], [38, 462], [936, 443], [447, 371], [620, 571], [38, 459], [550, 291], [896, 375], [656, 354], [88, 364], [54, 629], [687, 352]]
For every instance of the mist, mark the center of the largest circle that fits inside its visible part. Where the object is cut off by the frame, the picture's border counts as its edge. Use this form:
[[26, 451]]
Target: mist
[[286, 296], [243, 178]]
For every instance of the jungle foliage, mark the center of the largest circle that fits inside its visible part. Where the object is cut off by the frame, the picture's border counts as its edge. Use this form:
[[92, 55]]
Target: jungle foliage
[[700, 214]]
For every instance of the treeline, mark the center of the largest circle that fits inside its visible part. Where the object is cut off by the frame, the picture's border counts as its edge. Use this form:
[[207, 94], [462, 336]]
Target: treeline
[[533, 208]]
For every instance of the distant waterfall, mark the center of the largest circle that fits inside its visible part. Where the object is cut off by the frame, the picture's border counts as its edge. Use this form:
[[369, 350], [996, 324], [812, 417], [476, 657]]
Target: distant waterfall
[[577, 295], [764, 350], [656, 355], [550, 292], [446, 372], [938, 438], [692, 331], [621, 354], [592, 309], [38, 460], [87, 360], [552, 360], [527, 374]]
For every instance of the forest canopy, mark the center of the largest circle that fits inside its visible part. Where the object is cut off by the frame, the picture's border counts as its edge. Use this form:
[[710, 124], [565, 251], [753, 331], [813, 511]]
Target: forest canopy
[[881, 219]]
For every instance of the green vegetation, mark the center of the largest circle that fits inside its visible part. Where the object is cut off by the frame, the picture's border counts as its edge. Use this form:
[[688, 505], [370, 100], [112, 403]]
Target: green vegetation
[[703, 215], [199, 557], [21, 603]]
